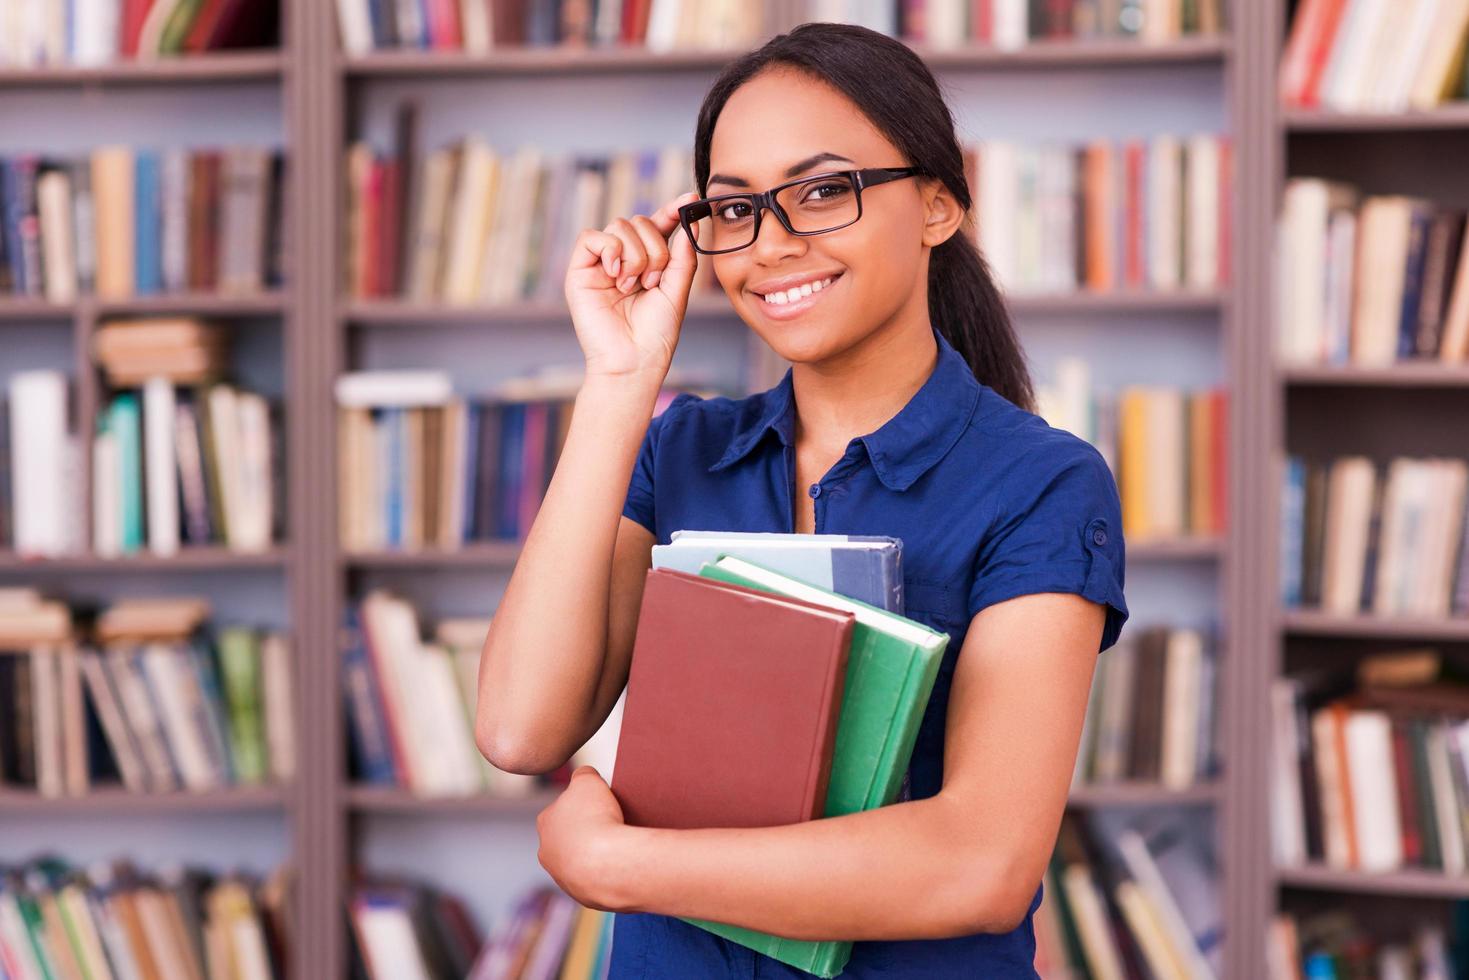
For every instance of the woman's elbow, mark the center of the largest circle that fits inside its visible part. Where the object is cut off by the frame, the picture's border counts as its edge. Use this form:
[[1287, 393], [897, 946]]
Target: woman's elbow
[[1001, 893], [513, 753]]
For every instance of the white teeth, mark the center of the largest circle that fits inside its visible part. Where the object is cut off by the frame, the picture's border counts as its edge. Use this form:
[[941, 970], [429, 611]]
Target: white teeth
[[797, 292]]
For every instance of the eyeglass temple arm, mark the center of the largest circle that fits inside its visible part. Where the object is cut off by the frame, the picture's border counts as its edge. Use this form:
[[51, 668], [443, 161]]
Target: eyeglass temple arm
[[881, 175]]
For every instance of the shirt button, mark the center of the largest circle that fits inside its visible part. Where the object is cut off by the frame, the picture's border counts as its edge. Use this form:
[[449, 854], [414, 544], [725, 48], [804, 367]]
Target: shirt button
[[1099, 537], [815, 490]]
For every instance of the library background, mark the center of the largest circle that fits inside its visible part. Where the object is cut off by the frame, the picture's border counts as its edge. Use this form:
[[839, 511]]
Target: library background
[[284, 365]]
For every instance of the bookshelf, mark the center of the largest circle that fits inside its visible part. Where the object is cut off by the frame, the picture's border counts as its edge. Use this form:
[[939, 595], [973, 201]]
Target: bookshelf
[[325, 100], [1325, 411]]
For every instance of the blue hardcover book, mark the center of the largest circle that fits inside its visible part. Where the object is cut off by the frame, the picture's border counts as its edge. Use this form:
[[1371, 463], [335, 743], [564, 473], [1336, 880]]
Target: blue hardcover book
[[11, 213], [1292, 532], [394, 420], [512, 451], [147, 217], [209, 712], [1418, 224], [369, 733], [866, 568]]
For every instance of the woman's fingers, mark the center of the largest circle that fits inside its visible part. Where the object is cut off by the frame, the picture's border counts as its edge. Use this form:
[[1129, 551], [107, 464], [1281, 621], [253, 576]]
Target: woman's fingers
[[634, 254], [655, 244], [595, 247]]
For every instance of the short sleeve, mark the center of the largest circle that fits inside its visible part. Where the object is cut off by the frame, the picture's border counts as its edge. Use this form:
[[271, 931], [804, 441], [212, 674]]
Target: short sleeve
[[638, 505], [1058, 529]]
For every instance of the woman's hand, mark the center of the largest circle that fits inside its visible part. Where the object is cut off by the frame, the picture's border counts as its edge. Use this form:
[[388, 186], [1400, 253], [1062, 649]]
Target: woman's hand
[[579, 835], [627, 287]]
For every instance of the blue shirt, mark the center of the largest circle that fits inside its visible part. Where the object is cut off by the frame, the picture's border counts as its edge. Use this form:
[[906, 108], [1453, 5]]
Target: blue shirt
[[990, 503]]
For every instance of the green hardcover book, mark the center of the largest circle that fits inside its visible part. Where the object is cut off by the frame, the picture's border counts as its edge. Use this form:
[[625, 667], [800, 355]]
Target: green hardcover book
[[127, 425], [239, 661], [890, 674]]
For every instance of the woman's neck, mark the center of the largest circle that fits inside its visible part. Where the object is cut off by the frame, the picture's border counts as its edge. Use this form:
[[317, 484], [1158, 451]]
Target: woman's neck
[[857, 392]]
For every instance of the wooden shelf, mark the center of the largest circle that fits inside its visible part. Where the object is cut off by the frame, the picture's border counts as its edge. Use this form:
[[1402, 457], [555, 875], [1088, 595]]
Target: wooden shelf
[[1302, 622], [219, 66], [1409, 882], [1143, 794], [270, 303], [491, 554], [568, 60], [1407, 374], [1453, 115], [26, 309], [190, 559], [118, 800], [380, 799]]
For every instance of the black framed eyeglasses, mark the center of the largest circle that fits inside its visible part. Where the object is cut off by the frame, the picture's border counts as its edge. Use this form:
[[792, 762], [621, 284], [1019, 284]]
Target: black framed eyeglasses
[[806, 206]]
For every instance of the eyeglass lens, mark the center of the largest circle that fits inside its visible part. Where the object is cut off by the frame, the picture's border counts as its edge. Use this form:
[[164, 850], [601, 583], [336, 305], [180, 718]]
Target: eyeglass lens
[[817, 205]]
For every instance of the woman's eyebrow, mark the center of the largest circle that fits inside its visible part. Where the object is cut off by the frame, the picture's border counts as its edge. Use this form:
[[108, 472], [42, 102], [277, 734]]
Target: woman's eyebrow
[[791, 171]]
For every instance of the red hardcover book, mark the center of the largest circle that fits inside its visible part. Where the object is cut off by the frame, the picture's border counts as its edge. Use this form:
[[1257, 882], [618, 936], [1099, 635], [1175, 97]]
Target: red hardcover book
[[1134, 157], [981, 21], [732, 704], [134, 12], [443, 22]]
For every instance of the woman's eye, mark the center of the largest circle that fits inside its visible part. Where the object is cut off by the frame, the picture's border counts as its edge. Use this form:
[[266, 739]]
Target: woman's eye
[[735, 211], [826, 192]]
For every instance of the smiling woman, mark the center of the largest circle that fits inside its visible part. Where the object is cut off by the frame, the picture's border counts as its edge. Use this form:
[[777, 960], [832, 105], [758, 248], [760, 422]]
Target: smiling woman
[[905, 414]]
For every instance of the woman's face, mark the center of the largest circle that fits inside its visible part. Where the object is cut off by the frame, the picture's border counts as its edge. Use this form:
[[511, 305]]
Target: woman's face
[[782, 119]]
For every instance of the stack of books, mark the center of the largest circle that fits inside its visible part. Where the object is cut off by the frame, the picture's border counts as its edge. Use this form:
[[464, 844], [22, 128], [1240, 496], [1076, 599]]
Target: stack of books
[[1140, 214], [411, 703], [178, 455], [1372, 776], [476, 26], [807, 700], [1167, 446], [110, 920], [1370, 280], [1359, 537], [1335, 943], [1153, 713], [548, 935], [1375, 55], [471, 224], [133, 221], [1131, 900], [1009, 24], [422, 467], [41, 499], [145, 700], [99, 32]]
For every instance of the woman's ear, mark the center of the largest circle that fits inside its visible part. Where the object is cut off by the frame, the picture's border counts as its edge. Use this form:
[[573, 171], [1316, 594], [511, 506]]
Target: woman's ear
[[942, 213]]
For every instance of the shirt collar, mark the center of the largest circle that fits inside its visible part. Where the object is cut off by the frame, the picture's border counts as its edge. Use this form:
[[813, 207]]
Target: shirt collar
[[903, 448]]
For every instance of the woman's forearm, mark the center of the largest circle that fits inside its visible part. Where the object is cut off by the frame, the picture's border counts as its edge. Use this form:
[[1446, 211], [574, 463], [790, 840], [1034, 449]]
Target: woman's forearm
[[913, 870], [543, 658]]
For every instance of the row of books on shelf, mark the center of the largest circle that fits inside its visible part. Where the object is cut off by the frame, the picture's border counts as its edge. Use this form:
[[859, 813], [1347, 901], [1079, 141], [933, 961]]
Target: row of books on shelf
[[477, 26], [193, 462], [1361, 537], [1336, 943], [402, 930], [137, 221], [1153, 713], [111, 919], [1135, 898], [139, 696], [1370, 280], [410, 702], [99, 32], [423, 467], [1168, 446], [1145, 213], [474, 224], [1375, 55], [1371, 773]]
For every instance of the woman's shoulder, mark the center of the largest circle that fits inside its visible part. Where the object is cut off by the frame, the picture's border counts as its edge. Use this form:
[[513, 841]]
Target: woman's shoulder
[[1011, 440]]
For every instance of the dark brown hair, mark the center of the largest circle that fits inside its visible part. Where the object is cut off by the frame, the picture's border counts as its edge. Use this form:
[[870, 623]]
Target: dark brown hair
[[894, 88]]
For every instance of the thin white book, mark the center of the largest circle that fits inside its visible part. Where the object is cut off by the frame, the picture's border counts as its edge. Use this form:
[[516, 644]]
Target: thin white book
[[38, 440], [389, 388], [279, 706], [172, 685], [1287, 806], [1374, 791], [256, 508], [1181, 698], [160, 466], [58, 249], [106, 496]]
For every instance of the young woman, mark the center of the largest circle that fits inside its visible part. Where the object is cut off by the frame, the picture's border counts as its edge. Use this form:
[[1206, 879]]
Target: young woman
[[837, 229]]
